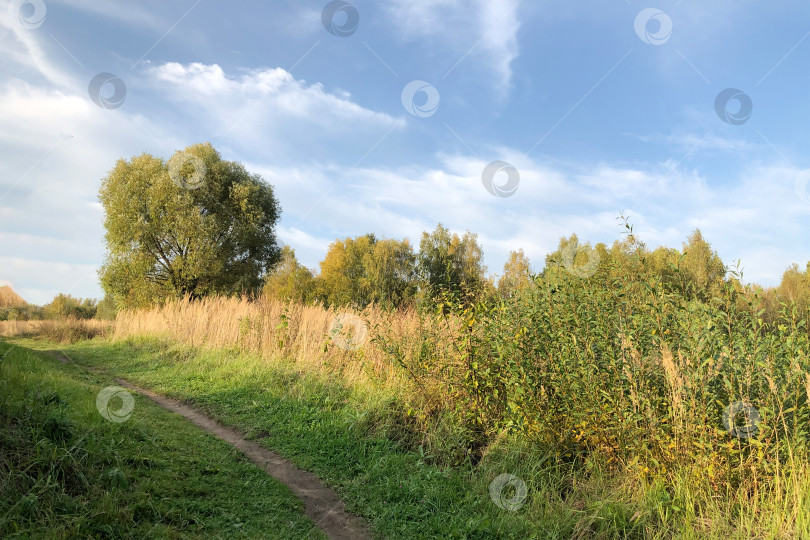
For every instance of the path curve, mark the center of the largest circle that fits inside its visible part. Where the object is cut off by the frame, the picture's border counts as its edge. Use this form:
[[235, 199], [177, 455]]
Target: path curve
[[321, 503]]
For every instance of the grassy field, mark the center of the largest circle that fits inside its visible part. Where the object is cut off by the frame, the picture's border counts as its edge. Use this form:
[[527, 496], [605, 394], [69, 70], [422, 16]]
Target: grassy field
[[621, 406], [67, 472], [342, 435], [320, 426]]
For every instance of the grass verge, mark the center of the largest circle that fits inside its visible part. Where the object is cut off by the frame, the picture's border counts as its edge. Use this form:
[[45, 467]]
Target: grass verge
[[66, 472]]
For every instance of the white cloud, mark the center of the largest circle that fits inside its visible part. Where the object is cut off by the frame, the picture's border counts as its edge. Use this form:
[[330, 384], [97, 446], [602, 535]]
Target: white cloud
[[55, 149], [39, 280], [696, 142], [208, 86], [478, 29], [25, 56], [269, 112]]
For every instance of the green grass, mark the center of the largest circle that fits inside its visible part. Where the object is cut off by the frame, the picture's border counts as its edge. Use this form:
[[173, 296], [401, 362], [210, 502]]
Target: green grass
[[357, 441], [322, 427], [335, 432], [66, 472]]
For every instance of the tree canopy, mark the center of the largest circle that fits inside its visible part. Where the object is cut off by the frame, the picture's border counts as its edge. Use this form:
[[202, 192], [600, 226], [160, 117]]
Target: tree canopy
[[290, 280], [194, 225], [795, 286], [702, 266], [366, 270], [451, 263], [65, 306], [516, 274]]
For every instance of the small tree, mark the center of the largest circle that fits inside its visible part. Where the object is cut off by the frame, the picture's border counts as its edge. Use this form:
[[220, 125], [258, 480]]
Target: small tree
[[573, 259], [342, 279], [516, 274], [64, 306], [363, 270], [448, 263], [106, 308], [795, 286], [703, 269], [391, 272], [289, 280]]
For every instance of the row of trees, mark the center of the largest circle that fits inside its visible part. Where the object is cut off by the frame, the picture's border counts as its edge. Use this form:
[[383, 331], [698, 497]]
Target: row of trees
[[696, 270], [387, 272], [198, 225], [63, 306], [364, 270]]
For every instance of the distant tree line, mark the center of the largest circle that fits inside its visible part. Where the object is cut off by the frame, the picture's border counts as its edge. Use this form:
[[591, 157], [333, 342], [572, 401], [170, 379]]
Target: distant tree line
[[367, 270], [197, 225], [63, 306], [364, 270]]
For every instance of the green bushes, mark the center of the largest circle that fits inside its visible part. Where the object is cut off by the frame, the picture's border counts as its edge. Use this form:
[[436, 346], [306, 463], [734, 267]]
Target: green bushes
[[630, 374], [20, 313], [64, 306], [72, 330]]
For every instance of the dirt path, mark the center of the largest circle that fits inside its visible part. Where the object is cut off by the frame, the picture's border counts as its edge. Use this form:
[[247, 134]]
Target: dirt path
[[321, 503]]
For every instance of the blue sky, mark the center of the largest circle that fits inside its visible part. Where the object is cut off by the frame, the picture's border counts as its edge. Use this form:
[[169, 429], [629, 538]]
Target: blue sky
[[598, 105]]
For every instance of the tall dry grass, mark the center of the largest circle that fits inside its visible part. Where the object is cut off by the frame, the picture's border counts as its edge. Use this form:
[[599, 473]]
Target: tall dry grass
[[581, 382], [61, 331], [373, 351]]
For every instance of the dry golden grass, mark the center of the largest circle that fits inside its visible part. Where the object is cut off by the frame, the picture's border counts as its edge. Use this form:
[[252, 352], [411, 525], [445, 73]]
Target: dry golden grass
[[64, 331], [303, 334]]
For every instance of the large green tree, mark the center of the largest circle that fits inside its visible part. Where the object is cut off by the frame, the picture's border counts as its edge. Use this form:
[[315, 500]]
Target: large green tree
[[195, 225]]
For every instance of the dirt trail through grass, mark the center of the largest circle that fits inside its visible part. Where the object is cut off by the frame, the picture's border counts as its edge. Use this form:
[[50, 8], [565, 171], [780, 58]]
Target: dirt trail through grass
[[321, 503]]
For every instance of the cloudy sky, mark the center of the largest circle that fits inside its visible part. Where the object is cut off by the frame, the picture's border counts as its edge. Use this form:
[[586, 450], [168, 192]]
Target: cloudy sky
[[383, 116]]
